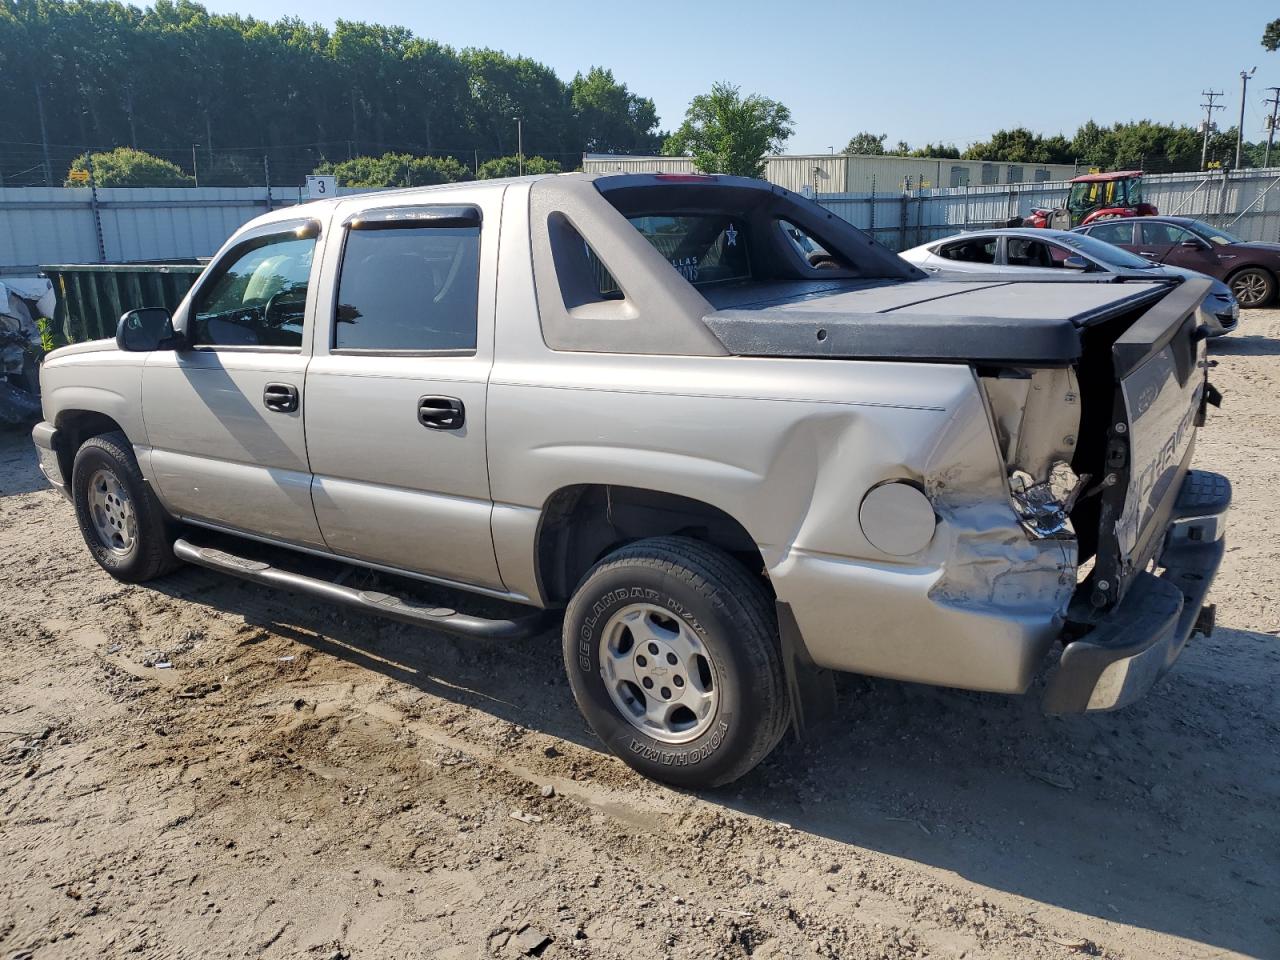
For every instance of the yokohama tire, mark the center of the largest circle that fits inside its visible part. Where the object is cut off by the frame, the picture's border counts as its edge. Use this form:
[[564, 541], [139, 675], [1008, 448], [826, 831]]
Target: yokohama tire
[[692, 587], [146, 548]]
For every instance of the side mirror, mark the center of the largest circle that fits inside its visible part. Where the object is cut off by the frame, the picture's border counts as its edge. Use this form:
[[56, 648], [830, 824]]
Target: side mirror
[[150, 328], [1192, 244], [1075, 262]]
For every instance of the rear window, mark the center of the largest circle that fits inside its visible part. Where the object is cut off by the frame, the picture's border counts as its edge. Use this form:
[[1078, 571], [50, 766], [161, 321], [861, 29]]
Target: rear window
[[705, 248]]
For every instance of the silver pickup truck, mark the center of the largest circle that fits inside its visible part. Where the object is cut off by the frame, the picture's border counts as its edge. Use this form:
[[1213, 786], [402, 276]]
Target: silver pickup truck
[[734, 443]]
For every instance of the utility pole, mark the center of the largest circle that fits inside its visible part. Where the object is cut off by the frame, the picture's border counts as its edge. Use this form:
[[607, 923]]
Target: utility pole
[[1271, 122], [1208, 123], [1244, 85], [519, 143], [195, 170]]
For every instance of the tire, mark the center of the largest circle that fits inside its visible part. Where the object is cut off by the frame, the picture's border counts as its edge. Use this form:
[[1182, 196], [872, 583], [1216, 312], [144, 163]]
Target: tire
[[681, 595], [1252, 286], [122, 522]]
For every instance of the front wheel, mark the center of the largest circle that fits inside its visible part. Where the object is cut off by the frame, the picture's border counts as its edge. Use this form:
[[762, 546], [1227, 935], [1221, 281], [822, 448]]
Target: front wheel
[[672, 652], [1252, 286], [122, 522]]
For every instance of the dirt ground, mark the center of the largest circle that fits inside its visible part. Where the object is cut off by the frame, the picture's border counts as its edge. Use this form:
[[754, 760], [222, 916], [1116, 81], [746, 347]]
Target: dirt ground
[[305, 782]]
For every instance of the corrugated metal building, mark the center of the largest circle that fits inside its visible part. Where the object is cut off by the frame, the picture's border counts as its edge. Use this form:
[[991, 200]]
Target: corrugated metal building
[[859, 173]]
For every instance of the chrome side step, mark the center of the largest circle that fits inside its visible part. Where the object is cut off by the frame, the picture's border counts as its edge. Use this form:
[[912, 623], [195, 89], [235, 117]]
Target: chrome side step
[[381, 604]]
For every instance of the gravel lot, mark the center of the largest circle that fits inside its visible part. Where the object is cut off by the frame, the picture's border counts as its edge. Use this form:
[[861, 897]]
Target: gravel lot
[[304, 782]]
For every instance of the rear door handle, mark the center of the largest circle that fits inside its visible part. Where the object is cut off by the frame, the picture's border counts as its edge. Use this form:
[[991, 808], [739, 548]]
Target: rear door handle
[[280, 397], [441, 413], [1146, 253]]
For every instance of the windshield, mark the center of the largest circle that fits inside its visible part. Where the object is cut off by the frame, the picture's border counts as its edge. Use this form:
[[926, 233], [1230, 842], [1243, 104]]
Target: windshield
[[1213, 234], [1105, 252], [1104, 193]]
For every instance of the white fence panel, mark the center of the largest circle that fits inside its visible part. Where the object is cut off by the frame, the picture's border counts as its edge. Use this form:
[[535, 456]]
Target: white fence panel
[[61, 225]]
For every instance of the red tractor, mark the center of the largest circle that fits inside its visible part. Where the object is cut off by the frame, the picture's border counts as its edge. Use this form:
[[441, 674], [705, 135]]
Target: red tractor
[[1097, 196]]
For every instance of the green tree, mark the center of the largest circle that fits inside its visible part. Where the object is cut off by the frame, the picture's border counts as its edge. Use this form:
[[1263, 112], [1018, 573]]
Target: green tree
[[1271, 36], [866, 144], [395, 170], [127, 167], [1021, 145], [102, 73], [726, 132], [610, 118], [510, 167], [944, 151]]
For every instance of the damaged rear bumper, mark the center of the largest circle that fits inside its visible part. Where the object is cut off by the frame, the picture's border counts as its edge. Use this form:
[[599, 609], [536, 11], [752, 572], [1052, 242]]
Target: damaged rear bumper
[[1119, 660]]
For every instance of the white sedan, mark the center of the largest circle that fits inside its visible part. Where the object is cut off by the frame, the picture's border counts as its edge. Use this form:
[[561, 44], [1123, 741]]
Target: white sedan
[[1030, 253]]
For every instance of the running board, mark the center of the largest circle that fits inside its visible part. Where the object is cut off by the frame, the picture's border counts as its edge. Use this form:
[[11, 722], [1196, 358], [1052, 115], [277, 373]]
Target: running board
[[381, 604]]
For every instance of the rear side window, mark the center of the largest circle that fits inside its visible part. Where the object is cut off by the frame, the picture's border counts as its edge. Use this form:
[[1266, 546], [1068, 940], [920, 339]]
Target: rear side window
[[1120, 232], [408, 289], [974, 250]]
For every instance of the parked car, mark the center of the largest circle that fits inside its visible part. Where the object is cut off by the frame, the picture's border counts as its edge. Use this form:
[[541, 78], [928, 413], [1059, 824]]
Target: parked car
[[636, 403], [1248, 267], [1030, 253]]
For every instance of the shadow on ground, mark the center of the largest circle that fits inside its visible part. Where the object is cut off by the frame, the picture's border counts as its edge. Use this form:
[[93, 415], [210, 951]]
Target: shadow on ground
[[1152, 817], [1245, 346]]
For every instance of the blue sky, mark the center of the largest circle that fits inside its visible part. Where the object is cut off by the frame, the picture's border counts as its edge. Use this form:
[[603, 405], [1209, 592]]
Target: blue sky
[[916, 71]]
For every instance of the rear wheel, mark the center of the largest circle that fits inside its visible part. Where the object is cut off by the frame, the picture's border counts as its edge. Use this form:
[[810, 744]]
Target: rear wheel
[[672, 652], [1252, 286], [122, 522]]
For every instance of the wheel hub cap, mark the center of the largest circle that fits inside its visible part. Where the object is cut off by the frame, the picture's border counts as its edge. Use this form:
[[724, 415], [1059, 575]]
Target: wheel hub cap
[[1249, 289], [658, 673], [111, 512]]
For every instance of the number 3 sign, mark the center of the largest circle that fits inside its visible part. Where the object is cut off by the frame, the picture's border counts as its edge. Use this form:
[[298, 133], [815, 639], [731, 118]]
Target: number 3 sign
[[321, 188]]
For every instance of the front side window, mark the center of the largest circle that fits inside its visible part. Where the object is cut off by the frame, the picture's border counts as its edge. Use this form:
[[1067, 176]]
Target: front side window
[[259, 299], [1022, 252], [1163, 234], [409, 289]]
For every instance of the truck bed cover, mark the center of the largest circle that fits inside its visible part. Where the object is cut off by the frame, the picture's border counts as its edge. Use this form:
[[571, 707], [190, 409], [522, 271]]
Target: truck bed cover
[[926, 320]]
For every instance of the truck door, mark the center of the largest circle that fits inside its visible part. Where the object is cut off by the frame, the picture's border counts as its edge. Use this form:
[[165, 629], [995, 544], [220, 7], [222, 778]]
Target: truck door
[[395, 416], [224, 417]]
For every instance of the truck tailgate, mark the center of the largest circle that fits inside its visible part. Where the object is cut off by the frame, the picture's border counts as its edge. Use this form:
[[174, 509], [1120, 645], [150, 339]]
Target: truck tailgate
[[1160, 373]]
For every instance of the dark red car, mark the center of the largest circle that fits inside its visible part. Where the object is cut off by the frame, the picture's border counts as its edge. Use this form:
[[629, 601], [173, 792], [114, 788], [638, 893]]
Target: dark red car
[[1248, 267]]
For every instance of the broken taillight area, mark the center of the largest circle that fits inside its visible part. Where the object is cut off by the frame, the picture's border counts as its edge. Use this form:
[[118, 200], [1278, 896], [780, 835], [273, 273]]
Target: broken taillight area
[[1044, 507]]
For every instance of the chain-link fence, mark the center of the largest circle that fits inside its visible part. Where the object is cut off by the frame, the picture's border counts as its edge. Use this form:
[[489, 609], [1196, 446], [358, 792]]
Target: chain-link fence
[[25, 164], [1245, 202]]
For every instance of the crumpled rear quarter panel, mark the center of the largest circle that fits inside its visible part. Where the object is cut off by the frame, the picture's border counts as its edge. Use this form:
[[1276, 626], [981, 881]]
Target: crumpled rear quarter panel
[[789, 448]]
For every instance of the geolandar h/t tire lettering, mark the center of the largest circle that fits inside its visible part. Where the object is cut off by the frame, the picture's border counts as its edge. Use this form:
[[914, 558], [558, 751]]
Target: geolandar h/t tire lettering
[[122, 522], [672, 652]]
